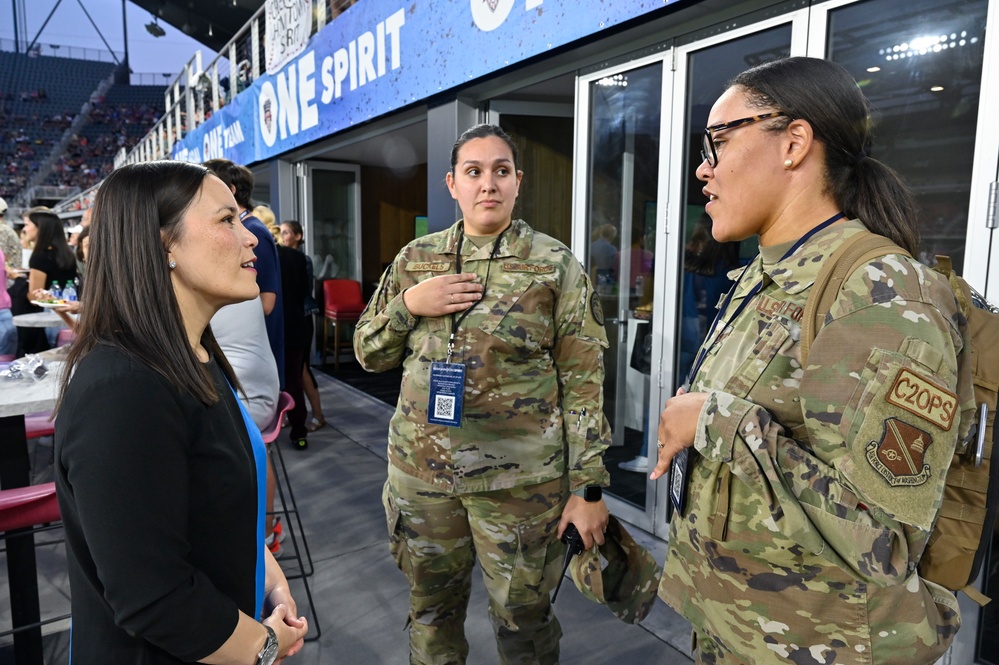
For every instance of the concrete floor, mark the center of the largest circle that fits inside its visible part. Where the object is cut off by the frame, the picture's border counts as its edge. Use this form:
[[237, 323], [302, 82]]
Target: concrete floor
[[360, 596]]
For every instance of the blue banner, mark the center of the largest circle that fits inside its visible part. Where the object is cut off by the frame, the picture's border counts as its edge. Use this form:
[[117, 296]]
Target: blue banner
[[381, 55]]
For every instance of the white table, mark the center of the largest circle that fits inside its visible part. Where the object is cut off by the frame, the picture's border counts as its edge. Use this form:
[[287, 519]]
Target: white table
[[17, 398], [46, 319]]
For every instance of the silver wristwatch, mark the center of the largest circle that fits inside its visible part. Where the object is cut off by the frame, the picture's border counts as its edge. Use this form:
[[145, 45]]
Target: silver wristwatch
[[269, 653]]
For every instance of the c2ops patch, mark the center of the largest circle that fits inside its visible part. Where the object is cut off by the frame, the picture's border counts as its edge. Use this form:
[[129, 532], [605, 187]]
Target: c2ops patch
[[596, 309]]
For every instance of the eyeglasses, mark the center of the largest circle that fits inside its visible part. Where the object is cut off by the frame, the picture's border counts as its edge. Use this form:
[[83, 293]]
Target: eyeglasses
[[708, 152]]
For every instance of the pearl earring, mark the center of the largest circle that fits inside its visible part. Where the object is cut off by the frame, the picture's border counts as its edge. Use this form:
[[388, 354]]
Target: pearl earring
[[172, 265], [788, 163]]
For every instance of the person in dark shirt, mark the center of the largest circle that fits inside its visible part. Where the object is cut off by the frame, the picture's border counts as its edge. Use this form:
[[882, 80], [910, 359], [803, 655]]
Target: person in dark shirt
[[52, 260], [295, 285], [159, 469]]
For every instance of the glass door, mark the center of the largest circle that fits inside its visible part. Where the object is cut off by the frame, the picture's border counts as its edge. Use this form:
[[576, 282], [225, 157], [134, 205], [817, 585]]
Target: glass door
[[331, 204], [619, 142]]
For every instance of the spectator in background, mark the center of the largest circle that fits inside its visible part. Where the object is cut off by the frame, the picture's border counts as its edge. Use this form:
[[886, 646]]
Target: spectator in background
[[602, 254], [239, 180], [266, 215], [82, 251], [241, 333], [52, 259], [10, 244], [8, 334], [291, 236], [294, 285]]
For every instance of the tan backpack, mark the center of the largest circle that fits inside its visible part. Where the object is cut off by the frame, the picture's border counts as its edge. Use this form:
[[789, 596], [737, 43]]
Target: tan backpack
[[961, 536]]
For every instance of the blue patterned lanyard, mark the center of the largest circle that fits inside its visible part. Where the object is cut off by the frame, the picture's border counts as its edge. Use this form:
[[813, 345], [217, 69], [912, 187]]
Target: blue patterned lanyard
[[703, 353]]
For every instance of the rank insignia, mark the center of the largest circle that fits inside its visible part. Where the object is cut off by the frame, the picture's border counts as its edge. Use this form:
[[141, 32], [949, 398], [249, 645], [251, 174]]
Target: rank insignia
[[899, 456]]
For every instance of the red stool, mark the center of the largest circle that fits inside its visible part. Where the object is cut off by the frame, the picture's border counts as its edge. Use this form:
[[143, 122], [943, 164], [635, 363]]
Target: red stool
[[23, 507], [29, 509], [343, 305], [38, 424], [289, 507]]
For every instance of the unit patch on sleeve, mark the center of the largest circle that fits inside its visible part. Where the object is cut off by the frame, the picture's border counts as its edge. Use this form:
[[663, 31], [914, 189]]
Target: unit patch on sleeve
[[924, 399], [898, 456], [596, 309]]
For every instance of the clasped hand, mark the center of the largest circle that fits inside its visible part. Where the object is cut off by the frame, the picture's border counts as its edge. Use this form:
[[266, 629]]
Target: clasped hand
[[677, 427], [445, 294]]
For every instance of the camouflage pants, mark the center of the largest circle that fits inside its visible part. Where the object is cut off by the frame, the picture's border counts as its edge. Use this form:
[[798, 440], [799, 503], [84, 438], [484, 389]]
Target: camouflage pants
[[435, 538]]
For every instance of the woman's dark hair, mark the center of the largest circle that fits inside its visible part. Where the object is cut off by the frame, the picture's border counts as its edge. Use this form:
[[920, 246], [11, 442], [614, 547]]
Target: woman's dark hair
[[825, 95], [481, 132], [79, 243], [296, 228], [52, 233], [235, 176], [131, 305]]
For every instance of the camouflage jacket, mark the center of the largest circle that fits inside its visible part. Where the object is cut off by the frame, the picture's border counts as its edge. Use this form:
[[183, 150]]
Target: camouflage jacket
[[533, 351], [815, 489]]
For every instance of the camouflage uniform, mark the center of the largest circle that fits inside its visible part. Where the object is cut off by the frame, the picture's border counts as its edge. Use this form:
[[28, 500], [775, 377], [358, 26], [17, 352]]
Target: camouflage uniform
[[814, 491], [532, 429]]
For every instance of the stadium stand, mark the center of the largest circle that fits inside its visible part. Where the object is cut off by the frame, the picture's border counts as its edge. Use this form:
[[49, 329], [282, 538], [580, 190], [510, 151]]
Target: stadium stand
[[62, 121], [117, 120]]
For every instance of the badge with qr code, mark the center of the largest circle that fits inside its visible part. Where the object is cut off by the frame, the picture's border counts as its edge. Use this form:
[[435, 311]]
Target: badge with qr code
[[447, 387], [678, 474]]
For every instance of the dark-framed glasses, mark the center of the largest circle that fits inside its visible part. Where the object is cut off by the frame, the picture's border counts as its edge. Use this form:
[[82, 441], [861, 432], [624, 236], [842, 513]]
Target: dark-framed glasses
[[708, 152]]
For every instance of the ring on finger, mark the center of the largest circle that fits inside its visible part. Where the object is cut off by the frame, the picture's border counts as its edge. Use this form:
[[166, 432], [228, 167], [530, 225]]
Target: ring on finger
[[659, 444]]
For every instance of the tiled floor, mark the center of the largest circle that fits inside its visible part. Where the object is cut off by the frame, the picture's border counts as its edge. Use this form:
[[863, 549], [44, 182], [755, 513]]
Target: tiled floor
[[361, 597]]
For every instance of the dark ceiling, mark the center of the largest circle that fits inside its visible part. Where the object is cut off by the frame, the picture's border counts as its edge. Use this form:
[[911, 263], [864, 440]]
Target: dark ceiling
[[211, 22]]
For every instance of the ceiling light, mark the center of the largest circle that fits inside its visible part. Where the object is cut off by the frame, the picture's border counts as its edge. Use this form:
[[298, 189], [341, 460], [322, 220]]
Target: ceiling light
[[873, 69], [936, 88], [154, 29]]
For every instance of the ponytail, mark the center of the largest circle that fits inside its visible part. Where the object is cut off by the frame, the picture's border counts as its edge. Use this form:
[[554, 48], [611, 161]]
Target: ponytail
[[873, 193]]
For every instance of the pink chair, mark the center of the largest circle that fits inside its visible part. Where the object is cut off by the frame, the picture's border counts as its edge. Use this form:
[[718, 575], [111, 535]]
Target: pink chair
[[289, 507], [343, 304], [66, 336], [24, 507], [25, 511], [38, 424], [285, 404]]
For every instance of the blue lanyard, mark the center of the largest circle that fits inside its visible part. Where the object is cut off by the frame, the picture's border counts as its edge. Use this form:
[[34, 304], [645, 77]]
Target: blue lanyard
[[703, 353]]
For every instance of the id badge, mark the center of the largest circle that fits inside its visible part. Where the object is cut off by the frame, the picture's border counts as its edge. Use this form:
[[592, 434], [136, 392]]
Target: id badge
[[447, 389], [679, 473]]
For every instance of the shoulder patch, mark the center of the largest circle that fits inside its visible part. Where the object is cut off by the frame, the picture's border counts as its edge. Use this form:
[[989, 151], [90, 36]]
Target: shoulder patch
[[922, 398], [898, 456], [596, 309], [513, 266], [428, 266]]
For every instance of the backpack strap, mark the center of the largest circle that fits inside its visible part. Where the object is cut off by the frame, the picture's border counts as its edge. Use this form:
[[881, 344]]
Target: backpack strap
[[858, 250]]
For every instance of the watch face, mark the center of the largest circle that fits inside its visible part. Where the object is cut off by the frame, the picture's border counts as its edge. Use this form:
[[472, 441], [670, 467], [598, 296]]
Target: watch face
[[593, 493]]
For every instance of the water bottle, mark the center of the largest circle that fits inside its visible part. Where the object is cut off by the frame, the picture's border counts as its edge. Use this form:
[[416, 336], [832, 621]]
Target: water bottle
[[69, 293], [56, 291]]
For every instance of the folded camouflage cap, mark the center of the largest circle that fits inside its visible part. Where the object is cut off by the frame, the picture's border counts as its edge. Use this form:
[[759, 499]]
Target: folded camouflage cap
[[620, 574]]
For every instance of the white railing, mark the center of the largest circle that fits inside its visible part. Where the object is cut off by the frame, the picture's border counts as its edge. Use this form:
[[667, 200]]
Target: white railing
[[197, 93], [62, 51]]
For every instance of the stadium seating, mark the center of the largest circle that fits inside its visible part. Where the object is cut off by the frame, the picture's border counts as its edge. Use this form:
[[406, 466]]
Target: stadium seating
[[39, 98]]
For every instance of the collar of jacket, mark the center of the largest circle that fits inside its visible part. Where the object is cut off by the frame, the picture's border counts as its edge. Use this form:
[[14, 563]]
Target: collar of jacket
[[516, 242]]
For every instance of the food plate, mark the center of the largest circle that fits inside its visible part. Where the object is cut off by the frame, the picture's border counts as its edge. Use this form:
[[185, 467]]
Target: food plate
[[50, 305]]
